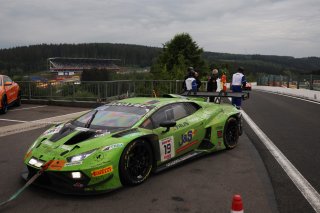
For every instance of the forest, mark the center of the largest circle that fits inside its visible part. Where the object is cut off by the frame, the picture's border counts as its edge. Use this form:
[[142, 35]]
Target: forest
[[26, 60]]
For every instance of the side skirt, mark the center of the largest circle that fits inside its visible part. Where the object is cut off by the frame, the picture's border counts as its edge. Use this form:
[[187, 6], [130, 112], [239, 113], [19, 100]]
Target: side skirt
[[179, 160]]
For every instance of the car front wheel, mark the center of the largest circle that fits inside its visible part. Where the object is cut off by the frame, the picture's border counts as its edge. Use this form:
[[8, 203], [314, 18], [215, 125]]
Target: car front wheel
[[135, 163]]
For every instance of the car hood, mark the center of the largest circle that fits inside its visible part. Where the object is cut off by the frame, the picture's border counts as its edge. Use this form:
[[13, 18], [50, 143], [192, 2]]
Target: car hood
[[64, 141]]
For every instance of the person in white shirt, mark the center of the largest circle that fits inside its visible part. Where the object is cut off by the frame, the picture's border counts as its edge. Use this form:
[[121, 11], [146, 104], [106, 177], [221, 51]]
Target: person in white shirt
[[238, 79], [191, 83]]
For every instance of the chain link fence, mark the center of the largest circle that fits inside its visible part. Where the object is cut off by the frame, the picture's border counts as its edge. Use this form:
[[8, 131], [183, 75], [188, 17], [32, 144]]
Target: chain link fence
[[310, 81]]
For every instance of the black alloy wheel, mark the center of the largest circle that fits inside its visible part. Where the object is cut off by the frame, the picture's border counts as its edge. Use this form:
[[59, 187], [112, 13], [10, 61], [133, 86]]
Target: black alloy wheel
[[136, 163], [231, 133]]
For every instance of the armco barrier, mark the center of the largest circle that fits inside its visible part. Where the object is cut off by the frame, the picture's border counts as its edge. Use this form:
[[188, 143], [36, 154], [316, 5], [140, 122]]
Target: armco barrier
[[301, 93]]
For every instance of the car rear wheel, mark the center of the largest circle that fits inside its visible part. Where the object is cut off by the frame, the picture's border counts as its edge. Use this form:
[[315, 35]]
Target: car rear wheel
[[135, 163], [231, 133], [4, 104]]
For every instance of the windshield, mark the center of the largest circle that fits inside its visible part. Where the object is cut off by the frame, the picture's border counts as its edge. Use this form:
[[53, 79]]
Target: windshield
[[108, 116]]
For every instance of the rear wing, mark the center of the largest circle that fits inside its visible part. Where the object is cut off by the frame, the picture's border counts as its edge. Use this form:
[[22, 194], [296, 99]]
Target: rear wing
[[217, 95]]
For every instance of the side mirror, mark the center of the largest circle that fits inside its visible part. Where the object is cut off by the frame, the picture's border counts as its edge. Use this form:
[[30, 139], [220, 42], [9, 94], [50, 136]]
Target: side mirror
[[168, 125], [8, 83]]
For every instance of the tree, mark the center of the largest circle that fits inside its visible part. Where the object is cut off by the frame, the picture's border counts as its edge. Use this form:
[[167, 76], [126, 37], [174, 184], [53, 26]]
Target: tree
[[178, 54]]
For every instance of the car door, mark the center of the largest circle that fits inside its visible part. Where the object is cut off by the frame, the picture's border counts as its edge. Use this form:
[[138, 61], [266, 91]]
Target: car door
[[182, 138]]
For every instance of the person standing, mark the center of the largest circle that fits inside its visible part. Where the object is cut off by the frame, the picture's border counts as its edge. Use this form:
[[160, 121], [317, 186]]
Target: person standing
[[191, 84], [190, 72], [196, 76], [212, 81], [238, 80], [212, 84], [223, 82]]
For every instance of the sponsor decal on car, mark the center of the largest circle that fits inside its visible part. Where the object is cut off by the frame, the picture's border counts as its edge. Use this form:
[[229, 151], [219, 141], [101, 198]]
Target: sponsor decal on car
[[82, 129], [187, 140], [47, 142], [219, 134], [76, 163], [53, 130], [102, 171], [101, 134], [113, 146], [184, 124], [166, 148], [57, 164], [66, 147]]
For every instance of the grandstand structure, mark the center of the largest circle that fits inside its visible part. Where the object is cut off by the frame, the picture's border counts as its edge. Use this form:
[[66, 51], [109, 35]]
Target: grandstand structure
[[75, 66]]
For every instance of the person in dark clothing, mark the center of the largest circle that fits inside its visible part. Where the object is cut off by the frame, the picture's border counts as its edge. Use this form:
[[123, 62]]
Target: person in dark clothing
[[196, 76], [212, 81]]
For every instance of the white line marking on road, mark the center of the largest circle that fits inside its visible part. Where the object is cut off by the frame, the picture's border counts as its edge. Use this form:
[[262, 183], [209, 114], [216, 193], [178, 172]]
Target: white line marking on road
[[31, 125], [301, 183], [290, 96], [28, 108], [14, 120]]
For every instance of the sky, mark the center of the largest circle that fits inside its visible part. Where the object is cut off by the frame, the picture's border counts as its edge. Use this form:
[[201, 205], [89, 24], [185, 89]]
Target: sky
[[266, 27]]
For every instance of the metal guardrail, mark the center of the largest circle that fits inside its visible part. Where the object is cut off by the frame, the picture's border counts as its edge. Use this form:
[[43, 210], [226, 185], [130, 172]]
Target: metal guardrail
[[98, 91], [311, 82]]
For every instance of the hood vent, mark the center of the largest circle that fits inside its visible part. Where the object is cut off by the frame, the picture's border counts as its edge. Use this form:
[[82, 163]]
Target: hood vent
[[80, 137]]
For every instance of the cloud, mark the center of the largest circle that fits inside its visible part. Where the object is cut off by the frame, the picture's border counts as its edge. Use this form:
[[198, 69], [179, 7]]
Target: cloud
[[279, 27]]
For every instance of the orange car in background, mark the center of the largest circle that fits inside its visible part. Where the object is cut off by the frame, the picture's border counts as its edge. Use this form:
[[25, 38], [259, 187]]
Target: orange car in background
[[9, 93]]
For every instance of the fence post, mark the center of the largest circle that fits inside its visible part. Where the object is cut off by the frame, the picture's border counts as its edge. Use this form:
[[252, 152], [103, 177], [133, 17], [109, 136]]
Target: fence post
[[288, 81], [73, 92], [98, 92], [311, 82], [106, 83], [134, 88], [298, 81], [29, 88], [50, 88]]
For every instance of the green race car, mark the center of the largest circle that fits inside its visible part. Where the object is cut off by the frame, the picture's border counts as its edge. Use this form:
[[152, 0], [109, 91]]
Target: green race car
[[123, 142]]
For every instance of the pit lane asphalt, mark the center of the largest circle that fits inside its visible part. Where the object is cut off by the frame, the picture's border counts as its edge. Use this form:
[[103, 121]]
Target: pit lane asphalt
[[293, 126], [206, 184]]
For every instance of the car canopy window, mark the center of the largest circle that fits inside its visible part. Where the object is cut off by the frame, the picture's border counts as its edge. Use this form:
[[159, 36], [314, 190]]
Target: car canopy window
[[111, 117], [173, 112], [7, 79]]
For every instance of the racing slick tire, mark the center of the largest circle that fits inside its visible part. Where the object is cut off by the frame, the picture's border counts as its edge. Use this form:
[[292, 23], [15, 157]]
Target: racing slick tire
[[4, 104], [231, 133], [136, 163]]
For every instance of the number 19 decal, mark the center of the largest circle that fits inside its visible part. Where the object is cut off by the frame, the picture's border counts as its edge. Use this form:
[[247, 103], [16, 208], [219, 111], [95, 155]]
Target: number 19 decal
[[167, 148]]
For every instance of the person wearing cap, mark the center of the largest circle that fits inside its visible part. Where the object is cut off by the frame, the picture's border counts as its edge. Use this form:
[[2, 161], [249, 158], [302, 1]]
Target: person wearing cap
[[238, 80]]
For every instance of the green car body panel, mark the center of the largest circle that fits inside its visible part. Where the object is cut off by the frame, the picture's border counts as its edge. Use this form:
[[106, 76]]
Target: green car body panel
[[97, 154]]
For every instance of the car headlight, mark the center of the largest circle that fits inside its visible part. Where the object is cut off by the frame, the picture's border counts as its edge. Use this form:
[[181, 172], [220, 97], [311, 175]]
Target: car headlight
[[81, 156]]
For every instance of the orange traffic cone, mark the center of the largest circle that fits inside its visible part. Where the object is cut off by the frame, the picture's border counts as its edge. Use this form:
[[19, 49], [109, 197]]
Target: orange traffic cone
[[237, 206]]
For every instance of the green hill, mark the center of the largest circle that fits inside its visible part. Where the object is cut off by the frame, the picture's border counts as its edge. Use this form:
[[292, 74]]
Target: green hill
[[30, 59]]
